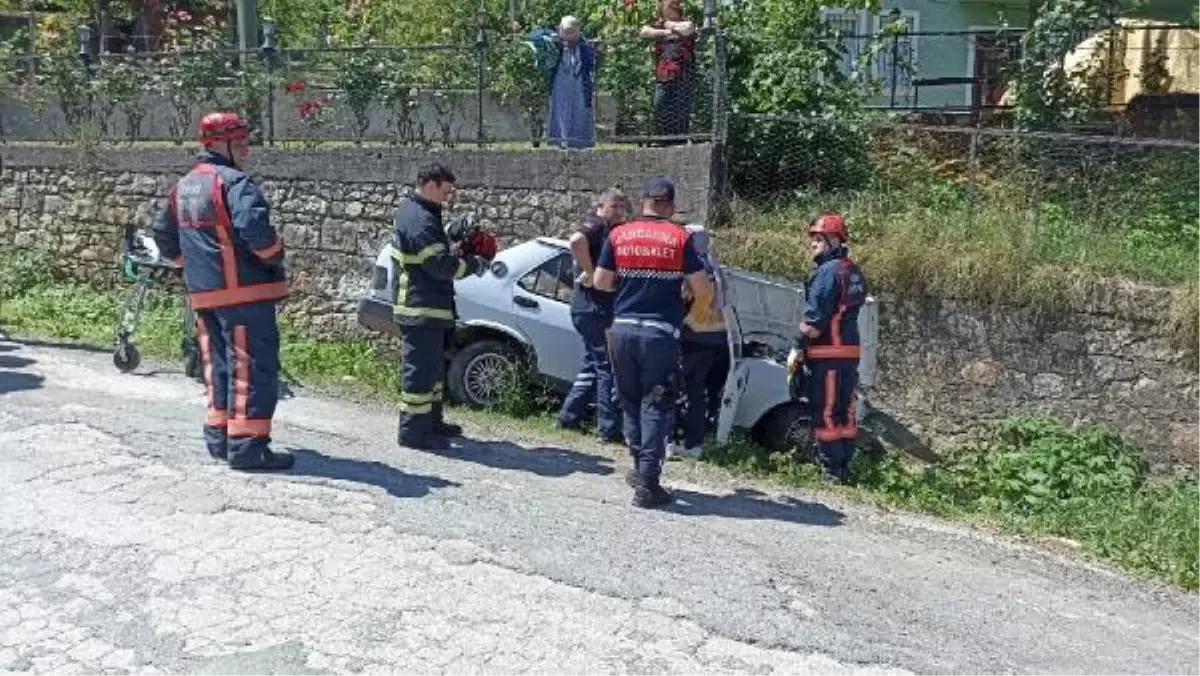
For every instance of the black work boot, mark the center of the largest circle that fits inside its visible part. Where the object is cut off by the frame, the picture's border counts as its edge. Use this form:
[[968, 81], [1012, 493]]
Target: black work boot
[[447, 429], [429, 442], [632, 479], [650, 495], [269, 461]]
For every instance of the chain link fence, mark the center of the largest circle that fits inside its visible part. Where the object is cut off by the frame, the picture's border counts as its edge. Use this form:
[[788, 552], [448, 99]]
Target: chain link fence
[[1108, 204]]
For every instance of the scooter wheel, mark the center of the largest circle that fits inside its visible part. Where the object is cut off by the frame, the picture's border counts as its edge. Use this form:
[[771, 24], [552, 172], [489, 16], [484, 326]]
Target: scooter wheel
[[126, 358]]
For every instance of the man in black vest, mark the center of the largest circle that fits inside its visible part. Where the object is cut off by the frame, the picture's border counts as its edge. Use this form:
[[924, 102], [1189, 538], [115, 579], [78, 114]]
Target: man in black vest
[[592, 315]]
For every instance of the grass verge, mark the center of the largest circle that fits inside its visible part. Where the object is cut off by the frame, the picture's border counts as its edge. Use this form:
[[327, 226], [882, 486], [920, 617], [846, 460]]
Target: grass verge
[[1030, 476]]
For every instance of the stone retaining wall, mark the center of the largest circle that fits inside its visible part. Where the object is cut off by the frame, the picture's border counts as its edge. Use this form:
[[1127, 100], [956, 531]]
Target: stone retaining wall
[[333, 206], [947, 366]]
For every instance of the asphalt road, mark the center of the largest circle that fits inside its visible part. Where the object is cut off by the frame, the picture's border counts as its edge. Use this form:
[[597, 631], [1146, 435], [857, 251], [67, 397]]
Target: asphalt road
[[123, 548]]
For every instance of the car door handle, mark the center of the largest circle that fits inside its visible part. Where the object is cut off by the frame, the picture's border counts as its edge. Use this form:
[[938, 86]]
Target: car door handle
[[525, 302]]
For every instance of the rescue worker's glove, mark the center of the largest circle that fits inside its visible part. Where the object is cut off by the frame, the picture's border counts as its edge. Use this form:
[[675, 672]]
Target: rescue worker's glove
[[797, 370]]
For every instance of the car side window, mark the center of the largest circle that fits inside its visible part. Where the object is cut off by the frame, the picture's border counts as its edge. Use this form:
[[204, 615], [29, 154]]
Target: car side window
[[553, 279]]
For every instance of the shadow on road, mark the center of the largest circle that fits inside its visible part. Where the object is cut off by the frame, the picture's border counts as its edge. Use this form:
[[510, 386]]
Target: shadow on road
[[371, 473], [752, 504], [546, 461], [61, 345], [11, 378]]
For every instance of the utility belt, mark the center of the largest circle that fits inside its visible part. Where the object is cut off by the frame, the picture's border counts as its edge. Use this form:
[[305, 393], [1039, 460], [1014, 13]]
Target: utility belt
[[648, 323]]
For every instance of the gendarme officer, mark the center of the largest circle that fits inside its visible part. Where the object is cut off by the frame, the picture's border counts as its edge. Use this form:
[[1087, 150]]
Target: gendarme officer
[[645, 261]]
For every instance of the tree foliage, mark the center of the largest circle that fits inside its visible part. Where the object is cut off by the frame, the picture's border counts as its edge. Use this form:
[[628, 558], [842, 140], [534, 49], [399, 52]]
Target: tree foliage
[[1047, 94]]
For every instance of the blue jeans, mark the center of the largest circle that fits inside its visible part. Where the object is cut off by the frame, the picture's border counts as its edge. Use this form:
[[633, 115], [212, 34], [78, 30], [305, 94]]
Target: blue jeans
[[595, 379], [646, 365]]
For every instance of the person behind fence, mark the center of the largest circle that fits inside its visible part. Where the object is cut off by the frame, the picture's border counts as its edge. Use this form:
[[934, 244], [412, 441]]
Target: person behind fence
[[423, 306], [704, 344], [674, 49], [829, 343], [571, 60], [591, 313], [644, 261], [216, 225]]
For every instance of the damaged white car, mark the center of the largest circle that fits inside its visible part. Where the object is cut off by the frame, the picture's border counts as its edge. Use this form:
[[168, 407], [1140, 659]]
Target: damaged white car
[[521, 306]]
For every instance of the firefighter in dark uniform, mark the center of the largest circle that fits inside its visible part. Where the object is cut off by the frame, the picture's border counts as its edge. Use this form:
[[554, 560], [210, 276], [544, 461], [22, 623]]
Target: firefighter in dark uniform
[[829, 343], [216, 225], [644, 261], [426, 267], [591, 313]]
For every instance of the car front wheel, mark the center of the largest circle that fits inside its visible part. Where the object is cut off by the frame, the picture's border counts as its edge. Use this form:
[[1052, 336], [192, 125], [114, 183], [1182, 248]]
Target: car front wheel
[[788, 428], [480, 372]]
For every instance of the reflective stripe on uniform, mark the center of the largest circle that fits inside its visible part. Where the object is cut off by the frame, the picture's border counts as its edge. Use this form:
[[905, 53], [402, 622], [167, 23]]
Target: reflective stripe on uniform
[[415, 409], [419, 257], [416, 403], [202, 300], [249, 427], [834, 351], [416, 397], [274, 248], [461, 270]]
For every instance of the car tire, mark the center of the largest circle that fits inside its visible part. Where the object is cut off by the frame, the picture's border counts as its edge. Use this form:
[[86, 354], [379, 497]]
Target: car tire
[[473, 366], [787, 428]]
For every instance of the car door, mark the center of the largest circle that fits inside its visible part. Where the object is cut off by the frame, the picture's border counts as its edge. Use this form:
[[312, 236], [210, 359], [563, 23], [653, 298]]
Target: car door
[[542, 305], [736, 381]]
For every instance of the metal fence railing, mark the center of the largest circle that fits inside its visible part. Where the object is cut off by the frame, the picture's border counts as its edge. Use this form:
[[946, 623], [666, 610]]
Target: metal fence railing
[[489, 92]]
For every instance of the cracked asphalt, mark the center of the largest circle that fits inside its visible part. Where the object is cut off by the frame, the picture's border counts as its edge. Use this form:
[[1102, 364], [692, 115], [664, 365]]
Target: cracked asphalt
[[125, 549]]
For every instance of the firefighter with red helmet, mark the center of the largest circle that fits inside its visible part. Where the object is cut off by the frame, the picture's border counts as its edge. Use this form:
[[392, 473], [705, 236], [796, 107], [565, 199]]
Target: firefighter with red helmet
[[216, 225], [829, 343]]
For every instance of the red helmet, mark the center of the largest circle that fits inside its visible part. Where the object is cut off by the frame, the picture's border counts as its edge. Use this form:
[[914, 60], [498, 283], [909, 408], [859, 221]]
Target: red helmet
[[830, 224], [219, 127]]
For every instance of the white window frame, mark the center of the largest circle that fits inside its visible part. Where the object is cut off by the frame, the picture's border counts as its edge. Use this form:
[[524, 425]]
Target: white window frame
[[855, 48], [880, 70]]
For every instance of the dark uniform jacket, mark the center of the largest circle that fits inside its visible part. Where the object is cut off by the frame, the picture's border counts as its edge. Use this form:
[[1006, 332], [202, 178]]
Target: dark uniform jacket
[[835, 292], [217, 225], [423, 293]]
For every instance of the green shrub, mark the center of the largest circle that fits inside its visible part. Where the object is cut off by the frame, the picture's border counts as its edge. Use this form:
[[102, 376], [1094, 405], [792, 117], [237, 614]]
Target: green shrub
[[1032, 475], [26, 269]]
